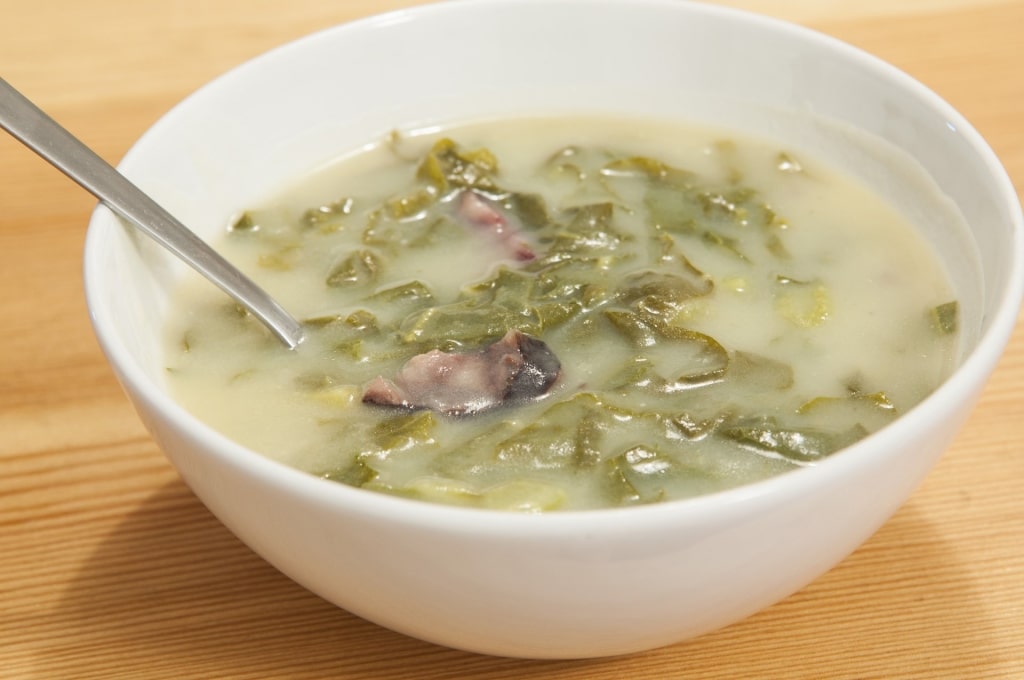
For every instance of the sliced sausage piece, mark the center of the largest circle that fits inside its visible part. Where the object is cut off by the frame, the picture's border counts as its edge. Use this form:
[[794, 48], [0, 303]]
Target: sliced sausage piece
[[516, 369], [482, 214]]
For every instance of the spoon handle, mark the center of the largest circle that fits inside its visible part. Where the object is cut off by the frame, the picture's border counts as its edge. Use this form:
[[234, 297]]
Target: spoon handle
[[36, 130]]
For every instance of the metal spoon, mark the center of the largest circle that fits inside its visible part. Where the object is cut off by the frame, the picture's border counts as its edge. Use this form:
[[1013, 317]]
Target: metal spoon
[[36, 130]]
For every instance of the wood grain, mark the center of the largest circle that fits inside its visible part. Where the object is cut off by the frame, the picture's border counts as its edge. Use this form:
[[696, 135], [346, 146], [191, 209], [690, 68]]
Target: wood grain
[[110, 568]]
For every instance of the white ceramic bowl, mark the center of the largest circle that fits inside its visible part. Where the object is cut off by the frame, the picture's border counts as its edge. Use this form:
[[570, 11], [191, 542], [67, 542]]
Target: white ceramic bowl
[[574, 584]]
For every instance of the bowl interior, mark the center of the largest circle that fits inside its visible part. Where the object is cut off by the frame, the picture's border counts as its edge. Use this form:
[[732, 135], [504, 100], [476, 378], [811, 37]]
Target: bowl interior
[[276, 118]]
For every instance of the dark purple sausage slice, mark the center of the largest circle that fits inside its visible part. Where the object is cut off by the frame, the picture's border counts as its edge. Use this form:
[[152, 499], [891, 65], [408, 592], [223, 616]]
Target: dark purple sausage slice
[[516, 369]]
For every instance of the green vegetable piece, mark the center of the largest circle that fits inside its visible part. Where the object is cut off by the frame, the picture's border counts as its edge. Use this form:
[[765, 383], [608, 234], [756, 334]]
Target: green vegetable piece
[[801, 445], [554, 314], [188, 339], [427, 230], [357, 269], [589, 235], [328, 215], [646, 168], [716, 216], [662, 295], [617, 488], [878, 400], [523, 495], [556, 282], [358, 336], [463, 323], [282, 259], [719, 206], [531, 209], [411, 205], [510, 288], [431, 172], [786, 163], [945, 317], [638, 330], [410, 292], [550, 445], [642, 473], [692, 428], [564, 165], [595, 295], [476, 459], [644, 460], [692, 209], [726, 243], [357, 474], [638, 373], [775, 246], [669, 208], [578, 165], [870, 411], [571, 279], [635, 166], [679, 358], [566, 436], [592, 219], [362, 320], [446, 167], [322, 321], [312, 382], [441, 490], [400, 432], [583, 328], [482, 159], [805, 304], [351, 347], [245, 223]]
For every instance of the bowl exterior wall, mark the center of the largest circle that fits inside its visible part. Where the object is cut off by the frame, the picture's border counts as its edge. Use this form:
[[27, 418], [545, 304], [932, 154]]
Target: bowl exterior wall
[[587, 589]]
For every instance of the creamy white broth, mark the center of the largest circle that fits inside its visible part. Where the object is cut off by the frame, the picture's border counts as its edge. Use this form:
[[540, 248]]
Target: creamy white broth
[[838, 288]]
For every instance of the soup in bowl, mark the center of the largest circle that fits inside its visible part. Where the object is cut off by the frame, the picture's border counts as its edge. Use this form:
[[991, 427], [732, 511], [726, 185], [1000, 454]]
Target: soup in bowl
[[568, 221]]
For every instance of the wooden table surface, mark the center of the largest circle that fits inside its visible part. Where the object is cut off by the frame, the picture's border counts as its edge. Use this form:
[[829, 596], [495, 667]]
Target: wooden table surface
[[110, 568]]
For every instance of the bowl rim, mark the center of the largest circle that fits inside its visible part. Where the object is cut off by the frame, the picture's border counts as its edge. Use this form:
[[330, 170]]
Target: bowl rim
[[967, 378]]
